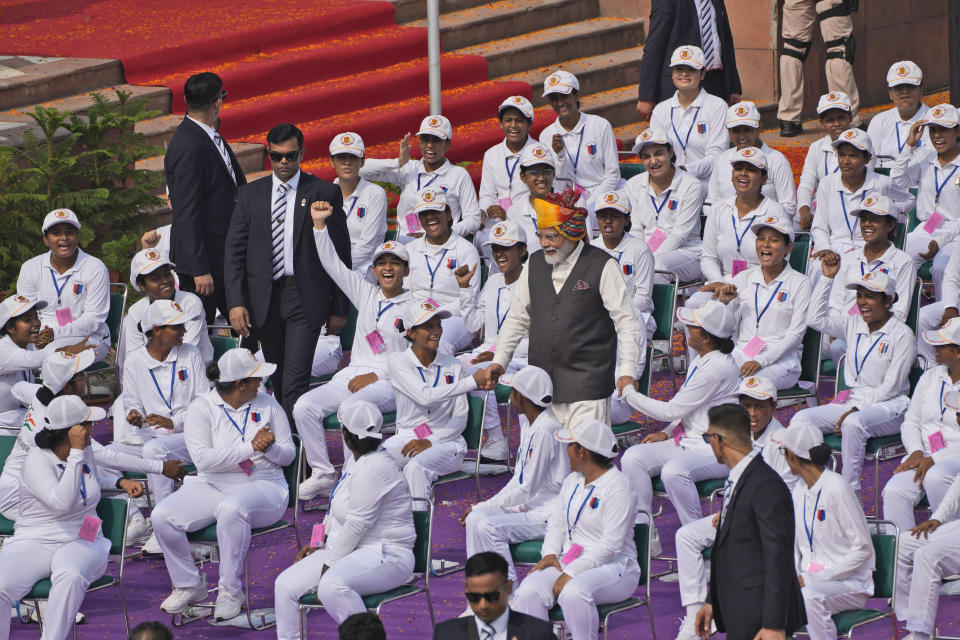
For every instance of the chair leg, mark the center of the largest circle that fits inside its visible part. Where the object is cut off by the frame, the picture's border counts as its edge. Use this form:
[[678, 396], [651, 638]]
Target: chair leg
[[123, 608], [653, 625], [433, 619], [303, 620]]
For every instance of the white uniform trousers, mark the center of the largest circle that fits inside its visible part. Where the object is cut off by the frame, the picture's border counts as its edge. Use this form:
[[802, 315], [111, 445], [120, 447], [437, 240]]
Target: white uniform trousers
[[921, 565], [918, 242], [571, 413], [326, 356], [879, 419], [100, 350], [455, 336], [679, 468], [683, 262], [367, 570], [424, 468], [492, 529], [822, 600], [605, 584], [172, 447], [901, 494], [236, 509], [783, 373], [318, 403], [692, 539], [71, 567], [929, 320]]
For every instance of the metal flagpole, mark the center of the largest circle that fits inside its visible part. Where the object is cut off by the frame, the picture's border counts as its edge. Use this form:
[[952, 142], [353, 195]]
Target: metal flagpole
[[433, 54]]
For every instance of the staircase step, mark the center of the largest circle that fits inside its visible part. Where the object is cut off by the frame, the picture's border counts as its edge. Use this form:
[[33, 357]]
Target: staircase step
[[28, 80], [250, 156], [159, 130], [410, 10], [505, 18], [619, 105], [158, 99], [545, 47]]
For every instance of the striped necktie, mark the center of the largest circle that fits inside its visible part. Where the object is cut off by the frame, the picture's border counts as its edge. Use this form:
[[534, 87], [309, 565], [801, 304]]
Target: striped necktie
[[222, 148], [487, 633], [279, 213], [706, 32]]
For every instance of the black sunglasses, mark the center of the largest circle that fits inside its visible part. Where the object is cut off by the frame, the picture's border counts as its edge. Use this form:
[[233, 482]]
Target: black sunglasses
[[706, 437], [489, 596], [289, 156]]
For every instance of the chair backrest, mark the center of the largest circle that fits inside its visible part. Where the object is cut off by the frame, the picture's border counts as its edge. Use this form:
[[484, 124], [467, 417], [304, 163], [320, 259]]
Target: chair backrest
[[800, 253], [900, 240], [810, 356], [885, 572], [422, 523], [118, 304], [6, 446], [912, 220], [292, 473], [222, 344], [664, 306], [630, 169], [349, 330], [884, 171], [641, 538], [474, 429], [703, 223], [484, 273], [645, 377], [914, 312], [113, 513], [391, 233]]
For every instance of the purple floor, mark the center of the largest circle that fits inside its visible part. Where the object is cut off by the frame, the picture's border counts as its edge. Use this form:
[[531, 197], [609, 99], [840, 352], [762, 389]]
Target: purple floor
[[147, 583]]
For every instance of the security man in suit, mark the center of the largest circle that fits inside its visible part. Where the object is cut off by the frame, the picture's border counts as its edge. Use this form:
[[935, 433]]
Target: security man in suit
[[277, 290], [202, 179]]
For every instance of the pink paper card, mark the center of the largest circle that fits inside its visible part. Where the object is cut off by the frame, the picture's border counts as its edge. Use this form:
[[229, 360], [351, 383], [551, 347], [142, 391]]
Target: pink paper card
[[89, 528], [422, 431], [247, 467], [505, 203], [375, 340], [936, 441], [815, 567], [754, 347], [677, 434], [932, 222], [413, 223], [492, 348], [841, 397], [580, 190], [738, 266], [316, 538], [64, 316], [854, 310], [572, 554], [656, 239]]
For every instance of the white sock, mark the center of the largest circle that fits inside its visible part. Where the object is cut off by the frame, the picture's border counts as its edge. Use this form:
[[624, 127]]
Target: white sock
[[493, 434]]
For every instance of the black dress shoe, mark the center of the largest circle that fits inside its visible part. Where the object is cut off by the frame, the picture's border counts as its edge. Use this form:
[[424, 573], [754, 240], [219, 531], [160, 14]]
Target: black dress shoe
[[789, 129]]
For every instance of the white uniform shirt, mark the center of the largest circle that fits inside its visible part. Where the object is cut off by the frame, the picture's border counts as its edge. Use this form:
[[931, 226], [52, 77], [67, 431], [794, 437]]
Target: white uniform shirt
[[779, 186], [541, 467], [877, 365], [820, 161], [84, 290], [951, 281], [432, 268], [636, 263], [218, 438], [375, 312], [774, 311], [727, 237], [366, 210], [589, 159], [768, 446], [16, 365], [196, 333], [676, 211], [598, 516], [938, 188], [500, 175], [435, 395], [893, 262], [927, 416], [165, 388], [836, 225], [489, 311], [369, 507], [698, 134], [889, 132], [413, 176], [712, 379], [833, 542]]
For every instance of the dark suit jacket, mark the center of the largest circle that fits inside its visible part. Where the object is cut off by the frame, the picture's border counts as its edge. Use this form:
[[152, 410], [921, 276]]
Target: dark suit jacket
[[520, 626], [753, 582], [674, 23], [248, 268], [202, 195]]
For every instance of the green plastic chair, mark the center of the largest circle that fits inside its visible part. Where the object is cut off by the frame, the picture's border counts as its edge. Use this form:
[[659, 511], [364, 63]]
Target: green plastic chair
[[222, 344], [801, 252], [664, 309], [473, 434], [710, 488], [913, 314], [901, 238], [346, 344], [631, 169], [810, 369], [118, 306], [6, 446]]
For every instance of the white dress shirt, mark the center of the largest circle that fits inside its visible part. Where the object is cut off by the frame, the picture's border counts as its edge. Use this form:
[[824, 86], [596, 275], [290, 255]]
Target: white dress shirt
[[779, 186], [500, 175], [889, 132], [710, 34], [489, 311], [366, 210], [853, 264], [697, 133], [432, 268], [165, 388], [435, 395], [589, 158], [733, 478], [727, 237], [288, 221], [196, 333], [927, 415], [676, 211], [938, 188], [499, 626], [836, 225]]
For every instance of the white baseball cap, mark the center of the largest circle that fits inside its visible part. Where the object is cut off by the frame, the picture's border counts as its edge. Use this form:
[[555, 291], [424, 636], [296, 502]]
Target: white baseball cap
[[60, 216], [60, 367], [535, 154], [904, 72], [417, 313], [506, 233], [67, 411], [879, 205], [560, 82], [361, 418], [164, 313], [592, 435], [833, 100], [650, 136], [800, 438], [947, 334], [713, 317], [347, 142], [17, 305], [743, 113], [614, 200], [147, 261], [782, 224], [437, 126], [875, 281], [758, 387], [393, 248], [688, 56], [240, 364], [430, 199], [943, 115], [533, 383], [519, 103], [750, 154], [857, 137]]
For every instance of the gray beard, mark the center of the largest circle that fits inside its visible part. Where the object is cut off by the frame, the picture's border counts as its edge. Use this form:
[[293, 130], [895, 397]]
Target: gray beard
[[562, 253]]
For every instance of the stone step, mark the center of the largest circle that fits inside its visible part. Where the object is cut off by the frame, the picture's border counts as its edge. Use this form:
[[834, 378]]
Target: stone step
[[28, 80], [565, 42], [619, 105], [159, 130], [410, 10], [507, 18], [251, 157]]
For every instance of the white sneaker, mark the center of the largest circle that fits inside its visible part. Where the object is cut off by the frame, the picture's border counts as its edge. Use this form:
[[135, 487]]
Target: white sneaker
[[655, 547], [181, 598], [495, 450], [951, 588], [151, 546], [316, 485], [138, 528], [228, 605], [36, 616]]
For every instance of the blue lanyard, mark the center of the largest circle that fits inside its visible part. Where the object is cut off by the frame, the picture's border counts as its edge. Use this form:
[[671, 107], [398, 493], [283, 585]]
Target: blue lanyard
[[663, 203], [83, 481], [61, 287], [523, 460], [683, 143], [381, 309], [435, 176], [756, 301], [740, 236], [846, 217], [433, 271], [936, 185], [859, 363], [503, 318], [337, 486], [579, 512], [813, 520], [511, 171], [353, 204], [863, 272], [576, 160], [943, 387], [826, 167], [896, 126], [619, 256], [173, 371], [424, 378], [242, 432]]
